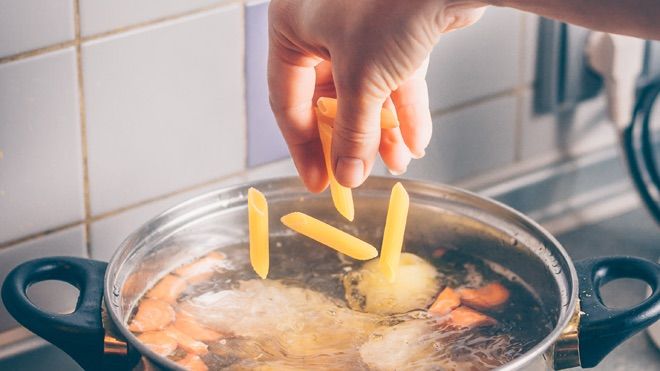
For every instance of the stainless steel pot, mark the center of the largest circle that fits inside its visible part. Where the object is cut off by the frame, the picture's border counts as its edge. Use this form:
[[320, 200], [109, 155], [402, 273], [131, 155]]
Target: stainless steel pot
[[96, 334]]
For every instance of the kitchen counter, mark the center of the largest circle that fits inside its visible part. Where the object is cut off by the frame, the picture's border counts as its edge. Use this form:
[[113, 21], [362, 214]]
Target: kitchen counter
[[632, 233]]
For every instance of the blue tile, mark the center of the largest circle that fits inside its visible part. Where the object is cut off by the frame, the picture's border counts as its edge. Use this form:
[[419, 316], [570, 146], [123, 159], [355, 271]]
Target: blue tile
[[265, 142]]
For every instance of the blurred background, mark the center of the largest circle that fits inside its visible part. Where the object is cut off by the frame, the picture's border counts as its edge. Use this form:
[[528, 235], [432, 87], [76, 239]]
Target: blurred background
[[113, 111]]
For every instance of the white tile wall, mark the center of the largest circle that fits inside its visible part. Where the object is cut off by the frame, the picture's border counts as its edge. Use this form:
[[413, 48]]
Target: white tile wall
[[477, 61], [468, 142], [108, 233], [32, 24], [98, 16], [40, 147], [56, 297], [165, 107]]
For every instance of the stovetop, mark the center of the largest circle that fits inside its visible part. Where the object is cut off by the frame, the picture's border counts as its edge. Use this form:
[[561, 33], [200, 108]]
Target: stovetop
[[633, 233]]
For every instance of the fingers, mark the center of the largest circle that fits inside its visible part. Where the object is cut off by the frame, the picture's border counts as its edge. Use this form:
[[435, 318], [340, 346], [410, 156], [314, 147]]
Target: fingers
[[412, 105], [291, 81], [356, 135], [325, 86], [393, 150]]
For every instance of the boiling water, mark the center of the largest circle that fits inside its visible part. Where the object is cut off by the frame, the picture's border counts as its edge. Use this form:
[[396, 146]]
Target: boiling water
[[298, 319]]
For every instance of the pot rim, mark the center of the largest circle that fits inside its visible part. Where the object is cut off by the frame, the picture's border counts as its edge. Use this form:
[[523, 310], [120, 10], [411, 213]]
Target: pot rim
[[536, 351]]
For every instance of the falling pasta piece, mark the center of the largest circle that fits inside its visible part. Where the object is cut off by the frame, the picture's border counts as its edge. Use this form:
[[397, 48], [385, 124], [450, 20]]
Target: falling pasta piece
[[328, 108], [342, 197], [329, 236], [258, 224], [395, 226]]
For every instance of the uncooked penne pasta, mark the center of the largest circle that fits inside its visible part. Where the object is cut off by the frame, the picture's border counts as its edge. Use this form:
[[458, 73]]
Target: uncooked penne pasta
[[328, 108], [258, 224], [342, 197], [330, 236], [395, 226]]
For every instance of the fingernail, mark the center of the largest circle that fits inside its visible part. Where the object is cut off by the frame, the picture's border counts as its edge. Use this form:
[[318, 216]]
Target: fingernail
[[349, 171], [397, 173], [418, 155]]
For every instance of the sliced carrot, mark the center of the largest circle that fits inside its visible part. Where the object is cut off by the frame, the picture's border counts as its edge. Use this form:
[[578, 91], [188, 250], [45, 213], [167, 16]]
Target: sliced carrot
[[439, 252], [186, 342], [491, 296], [159, 341], [447, 301], [168, 288], [202, 269], [469, 318], [189, 326], [152, 314], [192, 362]]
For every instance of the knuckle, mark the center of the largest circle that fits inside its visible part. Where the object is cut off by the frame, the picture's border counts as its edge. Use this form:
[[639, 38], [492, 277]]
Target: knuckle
[[355, 136]]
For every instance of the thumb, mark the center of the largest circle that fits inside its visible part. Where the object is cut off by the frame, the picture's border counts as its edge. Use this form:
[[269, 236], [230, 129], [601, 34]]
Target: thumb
[[355, 137]]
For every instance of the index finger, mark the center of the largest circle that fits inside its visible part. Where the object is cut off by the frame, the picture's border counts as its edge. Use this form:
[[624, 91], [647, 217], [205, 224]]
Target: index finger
[[291, 82]]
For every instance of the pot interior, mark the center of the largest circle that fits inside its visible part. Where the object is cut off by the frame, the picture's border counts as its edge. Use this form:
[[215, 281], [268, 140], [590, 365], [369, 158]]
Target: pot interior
[[439, 216]]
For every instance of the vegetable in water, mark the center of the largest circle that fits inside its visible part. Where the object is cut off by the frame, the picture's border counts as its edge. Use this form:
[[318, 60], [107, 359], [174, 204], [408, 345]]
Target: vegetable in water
[[159, 341], [168, 288], [193, 363], [447, 301], [490, 296], [464, 317], [152, 314]]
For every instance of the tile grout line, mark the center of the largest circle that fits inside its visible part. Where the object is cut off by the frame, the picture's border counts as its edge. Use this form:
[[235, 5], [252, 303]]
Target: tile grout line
[[34, 236], [80, 39], [37, 51], [94, 218], [516, 90], [522, 61], [89, 218], [83, 132], [160, 20]]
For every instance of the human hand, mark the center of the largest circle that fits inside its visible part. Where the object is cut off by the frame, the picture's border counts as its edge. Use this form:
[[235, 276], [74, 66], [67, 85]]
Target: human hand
[[367, 54]]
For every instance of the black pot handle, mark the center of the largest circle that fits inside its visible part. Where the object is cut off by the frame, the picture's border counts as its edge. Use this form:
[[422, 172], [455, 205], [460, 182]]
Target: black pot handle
[[80, 334], [601, 328]]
